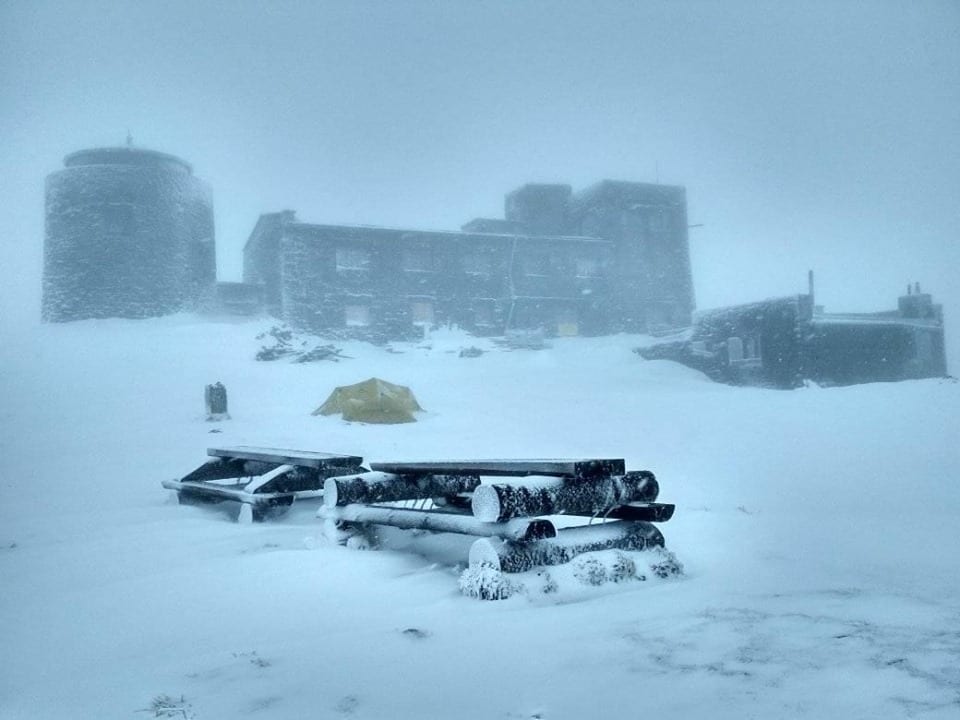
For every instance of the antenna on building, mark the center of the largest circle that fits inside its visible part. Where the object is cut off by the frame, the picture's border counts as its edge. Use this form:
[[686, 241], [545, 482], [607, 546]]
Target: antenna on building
[[129, 139], [810, 284]]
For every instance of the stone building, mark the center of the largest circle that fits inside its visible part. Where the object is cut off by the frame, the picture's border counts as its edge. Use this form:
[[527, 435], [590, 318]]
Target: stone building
[[613, 257], [786, 341], [129, 233]]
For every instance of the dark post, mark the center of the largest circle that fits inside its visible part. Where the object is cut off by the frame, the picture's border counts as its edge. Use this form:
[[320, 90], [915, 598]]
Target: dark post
[[216, 400]]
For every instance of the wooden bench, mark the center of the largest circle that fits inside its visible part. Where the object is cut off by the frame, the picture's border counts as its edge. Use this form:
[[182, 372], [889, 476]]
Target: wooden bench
[[507, 512], [505, 504], [262, 480]]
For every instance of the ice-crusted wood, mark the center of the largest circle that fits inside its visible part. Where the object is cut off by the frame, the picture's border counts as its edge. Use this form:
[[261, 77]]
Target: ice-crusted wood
[[582, 469], [439, 521], [380, 487], [648, 512], [305, 458], [552, 496], [516, 556]]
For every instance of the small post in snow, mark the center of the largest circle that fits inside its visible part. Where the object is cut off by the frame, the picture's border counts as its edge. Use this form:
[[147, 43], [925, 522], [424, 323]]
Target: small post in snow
[[215, 397]]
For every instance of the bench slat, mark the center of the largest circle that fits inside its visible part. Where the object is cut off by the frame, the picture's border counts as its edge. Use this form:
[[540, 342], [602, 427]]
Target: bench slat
[[583, 469], [300, 458]]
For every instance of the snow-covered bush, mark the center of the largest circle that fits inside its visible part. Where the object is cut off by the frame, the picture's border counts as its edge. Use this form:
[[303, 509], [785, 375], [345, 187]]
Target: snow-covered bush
[[486, 583], [296, 346], [166, 706]]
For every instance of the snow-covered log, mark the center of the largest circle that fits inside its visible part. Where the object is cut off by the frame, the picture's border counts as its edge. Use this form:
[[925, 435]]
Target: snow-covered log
[[439, 521], [515, 556], [379, 487], [583, 469], [553, 496]]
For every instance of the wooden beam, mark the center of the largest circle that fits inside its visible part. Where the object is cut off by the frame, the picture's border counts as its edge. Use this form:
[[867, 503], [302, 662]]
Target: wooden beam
[[219, 469], [580, 469], [302, 458], [218, 493], [439, 521], [647, 512]]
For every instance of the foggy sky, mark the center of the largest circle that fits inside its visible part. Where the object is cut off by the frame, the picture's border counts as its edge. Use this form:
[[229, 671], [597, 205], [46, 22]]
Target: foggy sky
[[808, 135]]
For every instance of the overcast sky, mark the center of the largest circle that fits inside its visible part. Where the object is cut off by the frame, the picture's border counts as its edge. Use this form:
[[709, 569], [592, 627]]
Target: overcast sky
[[808, 135]]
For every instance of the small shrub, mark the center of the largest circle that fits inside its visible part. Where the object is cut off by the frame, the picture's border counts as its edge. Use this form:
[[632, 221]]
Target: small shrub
[[665, 564], [623, 568], [589, 570], [166, 706], [486, 583]]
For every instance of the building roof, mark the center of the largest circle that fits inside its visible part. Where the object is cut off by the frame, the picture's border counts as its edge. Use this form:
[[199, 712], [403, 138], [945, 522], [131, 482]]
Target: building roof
[[622, 192], [450, 234], [874, 319], [123, 156]]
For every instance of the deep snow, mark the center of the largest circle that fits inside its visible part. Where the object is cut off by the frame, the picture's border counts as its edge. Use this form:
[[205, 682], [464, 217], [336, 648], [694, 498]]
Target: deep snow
[[817, 529]]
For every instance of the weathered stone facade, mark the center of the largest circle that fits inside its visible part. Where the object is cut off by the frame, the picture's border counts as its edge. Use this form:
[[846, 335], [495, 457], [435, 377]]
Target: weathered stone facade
[[129, 233], [784, 342], [385, 283], [612, 258]]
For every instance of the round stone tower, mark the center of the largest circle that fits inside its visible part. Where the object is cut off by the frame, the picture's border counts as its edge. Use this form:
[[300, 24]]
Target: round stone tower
[[129, 233]]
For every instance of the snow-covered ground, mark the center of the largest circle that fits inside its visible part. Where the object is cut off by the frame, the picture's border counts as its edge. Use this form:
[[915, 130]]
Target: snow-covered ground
[[818, 530]]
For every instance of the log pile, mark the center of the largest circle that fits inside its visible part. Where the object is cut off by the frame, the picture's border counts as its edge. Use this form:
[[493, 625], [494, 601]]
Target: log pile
[[504, 503]]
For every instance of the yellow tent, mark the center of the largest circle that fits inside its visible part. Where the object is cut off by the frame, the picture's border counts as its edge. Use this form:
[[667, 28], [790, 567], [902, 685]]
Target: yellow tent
[[372, 401]]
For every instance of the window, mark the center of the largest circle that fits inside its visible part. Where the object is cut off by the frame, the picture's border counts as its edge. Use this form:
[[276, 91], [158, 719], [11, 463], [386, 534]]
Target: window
[[587, 267], [745, 351], [483, 315], [477, 263], [658, 220], [567, 325], [923, 344], [119, 219], [357, 315], [421, 312], [536, 263], [349, 258], [734, 349], [417, 259]]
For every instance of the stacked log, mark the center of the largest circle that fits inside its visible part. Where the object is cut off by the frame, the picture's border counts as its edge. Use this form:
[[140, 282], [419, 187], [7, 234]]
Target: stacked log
[[513, 556], [520, 529], [506, 512], [379, 487], [553, 496]]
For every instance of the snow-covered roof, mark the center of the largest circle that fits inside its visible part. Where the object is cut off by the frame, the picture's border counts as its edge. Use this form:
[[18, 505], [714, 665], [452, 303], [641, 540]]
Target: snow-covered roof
[[123, 156], [454, 234], [866, 319]]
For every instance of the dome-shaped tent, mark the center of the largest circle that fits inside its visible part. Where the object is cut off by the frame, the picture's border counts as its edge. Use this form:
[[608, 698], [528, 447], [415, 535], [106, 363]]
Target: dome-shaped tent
[[372, 401]]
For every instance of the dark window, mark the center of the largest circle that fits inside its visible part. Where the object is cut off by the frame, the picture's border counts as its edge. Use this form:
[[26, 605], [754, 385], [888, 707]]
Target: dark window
[[421, 312], [658, 221], [417, 259], [587, 267], [536, 263], [477, 263], [357, 315], [349, 258]]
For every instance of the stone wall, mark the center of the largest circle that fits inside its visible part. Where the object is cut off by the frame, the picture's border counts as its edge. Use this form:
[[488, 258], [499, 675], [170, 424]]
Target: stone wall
[[129, 233]]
